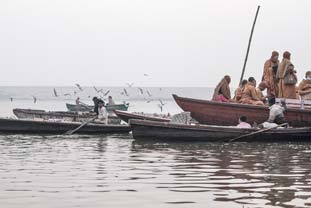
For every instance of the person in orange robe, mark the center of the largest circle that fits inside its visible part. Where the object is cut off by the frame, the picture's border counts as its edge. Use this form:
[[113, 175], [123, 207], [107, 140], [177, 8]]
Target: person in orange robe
[[222, 90], [281, 73], [269, 76], [289, 90], [304, 88], [249, 94], [238, 92], [259, 90]]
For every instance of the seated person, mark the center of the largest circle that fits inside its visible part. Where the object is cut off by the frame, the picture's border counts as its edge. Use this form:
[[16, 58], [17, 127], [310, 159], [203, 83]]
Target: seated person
[[304, 88], [238, 91], [222, 90], [243, 123], [249, 94], [259, 90], [111, 101]]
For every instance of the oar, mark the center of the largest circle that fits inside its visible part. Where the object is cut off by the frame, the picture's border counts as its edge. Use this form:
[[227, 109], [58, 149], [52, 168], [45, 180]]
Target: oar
[[257, 132], [70, 132]]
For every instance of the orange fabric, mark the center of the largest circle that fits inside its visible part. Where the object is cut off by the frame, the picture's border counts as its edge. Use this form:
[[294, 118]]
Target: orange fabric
[[280, 76], [304, 89], [238, 94], [249, 95], [222, 89]]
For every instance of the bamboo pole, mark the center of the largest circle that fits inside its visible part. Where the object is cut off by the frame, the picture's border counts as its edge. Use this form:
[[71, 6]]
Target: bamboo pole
[[249, 44]]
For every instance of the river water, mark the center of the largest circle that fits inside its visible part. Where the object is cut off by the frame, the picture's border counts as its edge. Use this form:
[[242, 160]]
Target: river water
[[117, 171]]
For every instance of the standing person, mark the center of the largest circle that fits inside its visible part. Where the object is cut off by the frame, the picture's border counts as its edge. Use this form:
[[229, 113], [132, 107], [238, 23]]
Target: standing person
[[95, 100], [222, 91], [78, 101], [249, 94], [304, 88], [102, 112], [238, 92], [111, 101], [281, 73], [289, 82], [270, 76]]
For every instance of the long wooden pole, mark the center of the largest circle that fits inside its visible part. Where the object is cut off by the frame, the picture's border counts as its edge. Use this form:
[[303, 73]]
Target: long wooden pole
[[249, 45]]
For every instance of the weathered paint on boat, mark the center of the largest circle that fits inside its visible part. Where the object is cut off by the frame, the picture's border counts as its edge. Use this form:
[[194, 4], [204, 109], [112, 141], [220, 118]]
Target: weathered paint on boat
[[83, 108], [17, 126], [126, 116], [143, 129], [63, 115], [227, 114]]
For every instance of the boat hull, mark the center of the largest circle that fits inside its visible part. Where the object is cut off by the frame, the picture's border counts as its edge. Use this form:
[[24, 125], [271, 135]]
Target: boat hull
[[145, 130], [227, 114], [67, 116], [125, 116], [83, 108], [18, 126]]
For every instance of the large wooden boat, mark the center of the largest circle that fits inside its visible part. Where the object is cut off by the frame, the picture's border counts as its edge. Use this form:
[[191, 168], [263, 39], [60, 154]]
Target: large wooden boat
[[83, 108], [126, 116], [62, 115], [227, 114], [17, 126], [143, 129]]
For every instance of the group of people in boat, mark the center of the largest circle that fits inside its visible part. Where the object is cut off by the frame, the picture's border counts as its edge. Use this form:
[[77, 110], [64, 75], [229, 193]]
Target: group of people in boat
[[279, 79]]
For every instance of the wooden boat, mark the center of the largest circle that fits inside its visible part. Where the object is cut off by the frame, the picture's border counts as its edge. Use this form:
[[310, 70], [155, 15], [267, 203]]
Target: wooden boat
[[126, 116], [143, 129], [17, 126], [62, 115], [84, 108], [227, 114]]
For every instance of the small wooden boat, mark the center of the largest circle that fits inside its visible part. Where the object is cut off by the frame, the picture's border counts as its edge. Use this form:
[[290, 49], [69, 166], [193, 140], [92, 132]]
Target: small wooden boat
[[143, 129], [62, 115], [126, 116], [227, 114], [17, 126], [83, 108]]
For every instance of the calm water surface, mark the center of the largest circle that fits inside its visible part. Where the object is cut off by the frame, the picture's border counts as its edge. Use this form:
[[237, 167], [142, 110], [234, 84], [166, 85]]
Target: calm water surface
[[116, 171]]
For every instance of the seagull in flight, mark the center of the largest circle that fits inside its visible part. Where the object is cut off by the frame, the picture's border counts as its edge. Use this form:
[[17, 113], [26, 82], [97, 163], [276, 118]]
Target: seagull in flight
[[148, 93], [67, 94], [125, 92], [34, 99], [98, 90], [130, 84], [11, 99], [106, 93], [146, 75], [79, 86], [141, 91], [55, 93]]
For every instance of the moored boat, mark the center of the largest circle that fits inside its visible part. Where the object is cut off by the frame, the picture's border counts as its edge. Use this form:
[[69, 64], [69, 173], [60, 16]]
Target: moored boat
[[143, 129], [83, 108], [62, 115], [17, 126], [126, 116], [227, 114]]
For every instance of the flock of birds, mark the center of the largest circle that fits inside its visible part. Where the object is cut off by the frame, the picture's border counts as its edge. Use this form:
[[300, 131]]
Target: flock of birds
[[103, 94]]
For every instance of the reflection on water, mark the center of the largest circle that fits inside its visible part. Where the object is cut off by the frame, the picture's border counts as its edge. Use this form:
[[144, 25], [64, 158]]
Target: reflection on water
[[116, 171]]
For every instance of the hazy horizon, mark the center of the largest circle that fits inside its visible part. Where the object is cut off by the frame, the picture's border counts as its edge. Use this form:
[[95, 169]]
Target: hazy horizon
[[177, 43]]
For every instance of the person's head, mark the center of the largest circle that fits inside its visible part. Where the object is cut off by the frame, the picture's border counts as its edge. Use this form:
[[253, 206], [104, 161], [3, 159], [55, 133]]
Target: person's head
[[308, 75], [274, 56], [78, 98], [291, 67], [242, 119], [286, 55], [101, 103], [262, 85], [95, 99], [252, 80], [109, 97], [227, 78], [243, 83]]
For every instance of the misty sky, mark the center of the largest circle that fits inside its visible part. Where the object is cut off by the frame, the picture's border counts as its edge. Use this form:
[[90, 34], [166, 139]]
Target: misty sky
[[177, 42]]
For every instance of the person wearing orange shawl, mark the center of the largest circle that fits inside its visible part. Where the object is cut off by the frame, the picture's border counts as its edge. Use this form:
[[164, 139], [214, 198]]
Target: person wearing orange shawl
[[283, 67], [304, 88], [249, 94], [269, 76], [222, 91], [238, 92], [259, 90]]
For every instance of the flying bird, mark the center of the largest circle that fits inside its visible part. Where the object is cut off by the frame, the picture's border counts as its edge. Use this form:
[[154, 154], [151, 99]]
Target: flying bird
[[130, 84], [79, 87], [75, 92], [98, 90], [34, 99], [141, 91], [55, 93], [11, 99], [67, 94], [125, 92], [161, 107], [148, 93], [106, 93], [161, 102], [146, 75]]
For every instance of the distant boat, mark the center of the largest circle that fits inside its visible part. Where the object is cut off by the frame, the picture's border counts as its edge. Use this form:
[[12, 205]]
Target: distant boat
[[126, 116], [18, 126], [62, 115], [152, 130], [228, 114], [83, 108]]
